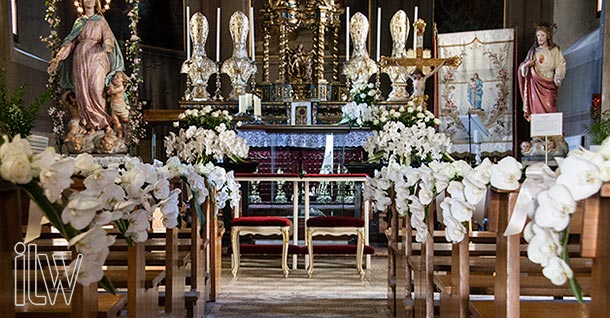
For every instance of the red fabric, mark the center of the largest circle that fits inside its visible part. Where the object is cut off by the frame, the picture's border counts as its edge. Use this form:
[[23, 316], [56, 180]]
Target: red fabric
[[260, 221], [335, 221], [335, 175], [265, 175], [266, 249], [539, 94], [339, 249]]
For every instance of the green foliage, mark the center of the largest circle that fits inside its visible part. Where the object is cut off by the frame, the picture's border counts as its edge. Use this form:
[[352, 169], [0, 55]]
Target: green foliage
[[600, 129], [15, 117]]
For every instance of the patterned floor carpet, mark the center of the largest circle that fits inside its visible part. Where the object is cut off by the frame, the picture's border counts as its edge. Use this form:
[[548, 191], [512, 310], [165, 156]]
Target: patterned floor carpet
[[335, 290]]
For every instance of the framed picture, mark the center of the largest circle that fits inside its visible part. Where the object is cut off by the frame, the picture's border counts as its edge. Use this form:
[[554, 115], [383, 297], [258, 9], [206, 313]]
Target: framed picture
[[300, 113]]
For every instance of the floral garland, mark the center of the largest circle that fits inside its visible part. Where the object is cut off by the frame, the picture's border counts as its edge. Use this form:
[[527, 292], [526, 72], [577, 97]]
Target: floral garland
[[58, 113], [418, 167], [548, 198], [133, 50]]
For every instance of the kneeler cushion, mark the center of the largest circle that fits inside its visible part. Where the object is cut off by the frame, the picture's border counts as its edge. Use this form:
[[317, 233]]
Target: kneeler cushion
[[260, 221], [335, 221]]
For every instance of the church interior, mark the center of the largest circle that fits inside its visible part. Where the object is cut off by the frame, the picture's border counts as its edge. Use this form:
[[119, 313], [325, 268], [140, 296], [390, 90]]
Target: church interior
[[196, 158]]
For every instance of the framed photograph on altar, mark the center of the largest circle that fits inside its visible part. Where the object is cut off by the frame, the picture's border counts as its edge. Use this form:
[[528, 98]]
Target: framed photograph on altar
[[300, 113]]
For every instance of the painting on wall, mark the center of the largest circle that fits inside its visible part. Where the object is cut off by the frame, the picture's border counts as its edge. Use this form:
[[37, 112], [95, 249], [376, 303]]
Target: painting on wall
[[481, 86]]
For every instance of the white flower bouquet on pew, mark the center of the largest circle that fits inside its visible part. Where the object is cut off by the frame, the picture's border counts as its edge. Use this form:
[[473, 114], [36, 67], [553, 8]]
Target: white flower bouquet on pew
[[548, 198], [124, 196]]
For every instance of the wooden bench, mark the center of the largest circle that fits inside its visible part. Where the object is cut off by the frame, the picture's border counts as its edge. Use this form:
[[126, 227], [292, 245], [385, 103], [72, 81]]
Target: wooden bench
[[509, 285], [108, 306]]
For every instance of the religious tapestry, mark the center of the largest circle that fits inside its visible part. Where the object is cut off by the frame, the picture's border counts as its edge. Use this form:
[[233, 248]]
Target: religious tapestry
[[480, 91]]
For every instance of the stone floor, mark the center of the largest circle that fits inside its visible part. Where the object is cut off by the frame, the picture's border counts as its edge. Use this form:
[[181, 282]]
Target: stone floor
[[335, 290]]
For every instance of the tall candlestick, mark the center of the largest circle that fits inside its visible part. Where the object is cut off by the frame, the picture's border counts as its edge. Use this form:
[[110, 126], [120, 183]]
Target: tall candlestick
[[347, 34], [218, 34], [415, 31], [378, 34], [188, 32], [252, 33]]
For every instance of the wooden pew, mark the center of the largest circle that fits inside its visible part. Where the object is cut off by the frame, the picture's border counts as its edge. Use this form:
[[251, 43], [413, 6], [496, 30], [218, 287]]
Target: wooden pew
[[594, 244]]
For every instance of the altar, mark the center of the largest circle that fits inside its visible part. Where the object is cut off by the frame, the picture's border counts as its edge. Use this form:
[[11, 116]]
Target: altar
[[303, 136]]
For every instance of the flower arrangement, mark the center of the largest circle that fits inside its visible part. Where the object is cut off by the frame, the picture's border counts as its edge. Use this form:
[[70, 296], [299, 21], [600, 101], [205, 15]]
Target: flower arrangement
[[356, 112], [15, 117], [407, 145], [124, 196], [206, 118], [207, 138], [364, 93]]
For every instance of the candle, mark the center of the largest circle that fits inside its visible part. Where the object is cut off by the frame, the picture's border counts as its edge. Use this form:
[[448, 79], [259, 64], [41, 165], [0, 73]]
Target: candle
[[378, 34], [242, 104], [347, 34], [415, 31], [476, 137], [218, 34], [188, 32], [257, 106], [252, 33]]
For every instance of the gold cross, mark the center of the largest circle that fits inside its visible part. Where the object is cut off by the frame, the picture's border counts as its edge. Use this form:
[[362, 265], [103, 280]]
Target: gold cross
[[420, 61]]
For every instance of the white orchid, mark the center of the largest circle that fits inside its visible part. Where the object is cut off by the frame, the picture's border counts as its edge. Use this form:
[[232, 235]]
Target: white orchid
[[81, 209], [506, 174], [544, 245], [555, 207], [56, 177], [557, 271], [580, 176], [454, 231], [84, 165]]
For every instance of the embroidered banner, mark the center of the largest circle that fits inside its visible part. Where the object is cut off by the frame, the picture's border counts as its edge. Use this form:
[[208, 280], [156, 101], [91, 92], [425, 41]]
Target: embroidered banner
[[481, 86]]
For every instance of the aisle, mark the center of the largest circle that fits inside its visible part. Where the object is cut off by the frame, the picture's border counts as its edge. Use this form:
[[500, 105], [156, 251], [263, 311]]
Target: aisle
[[335, 290]]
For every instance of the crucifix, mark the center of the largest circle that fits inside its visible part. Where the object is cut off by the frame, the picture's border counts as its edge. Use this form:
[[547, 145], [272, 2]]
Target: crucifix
[[420, 63]]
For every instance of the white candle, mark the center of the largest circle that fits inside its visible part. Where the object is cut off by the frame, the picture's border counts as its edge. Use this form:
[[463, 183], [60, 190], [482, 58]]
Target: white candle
[[415, 31], [218, 34], [257, 106], [347, 34], [252, 33], [378, 34], [242, 104], [188, 32]]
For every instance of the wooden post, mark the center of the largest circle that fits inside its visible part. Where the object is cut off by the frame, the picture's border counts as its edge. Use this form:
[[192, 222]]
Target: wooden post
[[507, 260], [174, 275], [137, 304], [460, 279], [10, 223], [84, 301], [597, 222], [198, 256], [215, 249], [424, 281]]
